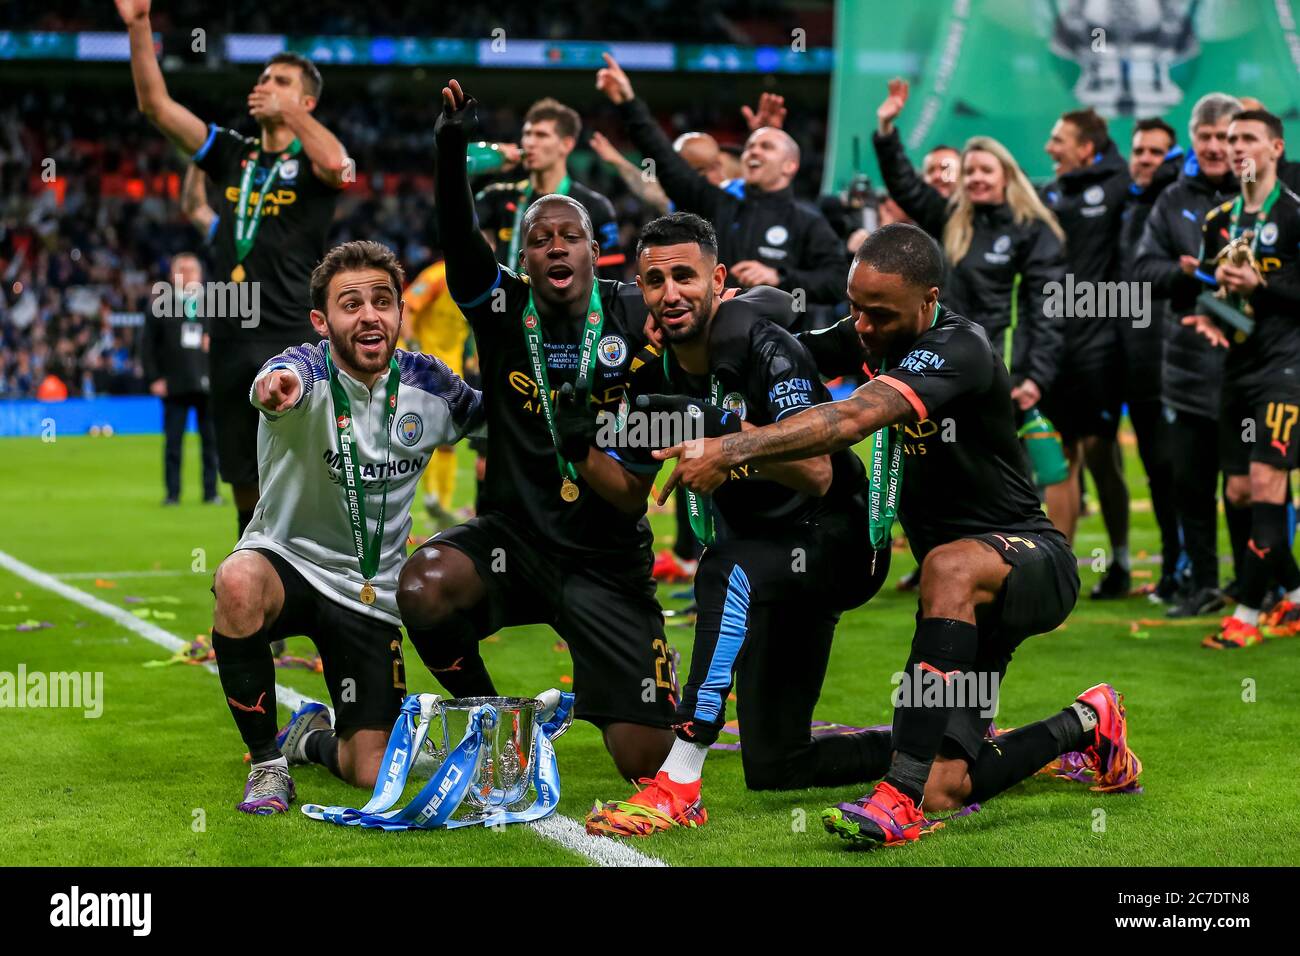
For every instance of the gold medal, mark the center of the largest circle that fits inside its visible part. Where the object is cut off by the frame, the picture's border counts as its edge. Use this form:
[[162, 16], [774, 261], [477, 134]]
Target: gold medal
[[238, 273], [568, 491], [367, 593]]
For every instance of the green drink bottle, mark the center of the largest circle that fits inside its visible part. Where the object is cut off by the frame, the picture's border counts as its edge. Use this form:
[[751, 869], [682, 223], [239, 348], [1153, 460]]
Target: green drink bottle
[[483, 158], [1043, 442]]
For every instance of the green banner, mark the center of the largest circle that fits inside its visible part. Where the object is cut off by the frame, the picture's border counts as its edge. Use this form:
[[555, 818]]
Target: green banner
[[1009, 68]]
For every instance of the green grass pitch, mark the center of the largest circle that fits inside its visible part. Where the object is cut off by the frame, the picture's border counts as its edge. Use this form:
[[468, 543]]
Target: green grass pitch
[[154, 780]]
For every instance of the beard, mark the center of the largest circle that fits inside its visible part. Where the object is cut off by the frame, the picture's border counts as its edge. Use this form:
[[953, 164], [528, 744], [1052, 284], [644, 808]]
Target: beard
[[346, 353], [699, 321]]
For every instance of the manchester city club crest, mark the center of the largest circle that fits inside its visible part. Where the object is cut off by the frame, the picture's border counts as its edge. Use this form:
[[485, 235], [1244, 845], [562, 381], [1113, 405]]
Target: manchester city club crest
[[611, 351], [1268, 235], [409, 429], [289, 170], [734, 402]]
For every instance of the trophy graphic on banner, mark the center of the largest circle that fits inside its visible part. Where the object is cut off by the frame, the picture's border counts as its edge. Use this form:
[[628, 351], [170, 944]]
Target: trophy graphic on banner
[[1125, 49]]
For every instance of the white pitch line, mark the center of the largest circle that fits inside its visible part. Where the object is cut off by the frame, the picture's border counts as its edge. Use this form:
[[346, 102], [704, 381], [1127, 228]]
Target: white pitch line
[[562, 830], [603, 851]]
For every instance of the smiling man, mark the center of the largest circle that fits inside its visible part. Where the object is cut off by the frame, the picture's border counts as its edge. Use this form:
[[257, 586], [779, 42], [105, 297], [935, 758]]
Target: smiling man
[[993, 569], [561, 536], [346, 427], [788, 547], [766, 236]]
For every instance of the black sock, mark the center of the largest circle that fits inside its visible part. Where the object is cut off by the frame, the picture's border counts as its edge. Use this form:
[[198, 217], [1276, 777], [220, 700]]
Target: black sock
[[940, 647], [322, 747], [1010, 758], [248, 680], [852, 758], [245, 516], [1264, 552], [450, 650], [1238, 521], [1067, 731]]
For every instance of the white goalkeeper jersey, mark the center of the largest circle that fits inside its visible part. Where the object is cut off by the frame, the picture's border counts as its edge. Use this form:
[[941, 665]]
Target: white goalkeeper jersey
[[302, 515]]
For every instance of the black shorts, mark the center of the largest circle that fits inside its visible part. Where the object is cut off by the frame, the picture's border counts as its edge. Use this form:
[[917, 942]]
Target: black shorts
[[1274, 426], [1037, 596], [234, 365], [605, 610], [356, 648], [1085, 402]]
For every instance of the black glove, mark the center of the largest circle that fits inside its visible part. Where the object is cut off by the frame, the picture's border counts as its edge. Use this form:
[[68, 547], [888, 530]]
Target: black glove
[[462, 120], [576, 425], [716, 421]]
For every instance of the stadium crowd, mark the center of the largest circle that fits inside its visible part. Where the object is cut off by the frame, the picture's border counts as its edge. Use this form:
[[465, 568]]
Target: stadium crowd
[[82, 246]]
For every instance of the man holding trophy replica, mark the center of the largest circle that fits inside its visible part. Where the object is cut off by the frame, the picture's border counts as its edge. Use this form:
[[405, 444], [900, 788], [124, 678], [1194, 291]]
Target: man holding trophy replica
[[347, 426], [1256, 322]]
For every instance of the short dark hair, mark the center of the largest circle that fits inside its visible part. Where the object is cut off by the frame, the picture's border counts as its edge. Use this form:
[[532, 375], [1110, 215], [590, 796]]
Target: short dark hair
[[534, 210], [1262, 116], [567, 121], [943, 148], [1155, 122], [312, 83], [676, 229], [903, 249], [1091, 126], [351, 257]]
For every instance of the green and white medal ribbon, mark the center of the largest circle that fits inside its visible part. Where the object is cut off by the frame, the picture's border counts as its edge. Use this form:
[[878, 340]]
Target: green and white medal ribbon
[[591, 330], [1261, 220], [521, 206], [699, 508], [246, 223], [1261, 217], [885, 481], [354, 495]]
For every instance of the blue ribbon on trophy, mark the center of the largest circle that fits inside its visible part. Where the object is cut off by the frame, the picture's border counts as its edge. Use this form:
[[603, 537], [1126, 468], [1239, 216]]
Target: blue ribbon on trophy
[[505, 752]]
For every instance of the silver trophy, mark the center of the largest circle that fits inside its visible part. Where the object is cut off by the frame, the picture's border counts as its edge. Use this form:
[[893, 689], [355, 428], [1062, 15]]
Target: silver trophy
[[505, 768], [1126, 49]]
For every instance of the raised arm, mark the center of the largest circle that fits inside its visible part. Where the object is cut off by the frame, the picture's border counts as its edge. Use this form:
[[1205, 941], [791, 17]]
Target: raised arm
[[914, 195], [644, 187], [683, 185], [329, 160], [472, 270], [178, 124]]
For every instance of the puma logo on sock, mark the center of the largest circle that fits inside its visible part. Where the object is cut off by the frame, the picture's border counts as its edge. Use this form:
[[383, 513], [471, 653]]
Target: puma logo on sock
[[255, 709]]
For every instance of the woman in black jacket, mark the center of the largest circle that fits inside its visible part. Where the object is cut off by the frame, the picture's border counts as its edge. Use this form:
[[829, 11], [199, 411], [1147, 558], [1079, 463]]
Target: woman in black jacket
[[1003, 247], [1004, 251]]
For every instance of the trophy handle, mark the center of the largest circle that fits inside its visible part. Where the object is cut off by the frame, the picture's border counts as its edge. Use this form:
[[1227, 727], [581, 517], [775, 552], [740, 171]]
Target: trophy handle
[[433, 714]]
